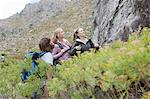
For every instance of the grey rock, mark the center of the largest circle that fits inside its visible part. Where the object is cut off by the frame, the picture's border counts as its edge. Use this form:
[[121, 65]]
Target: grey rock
[[116, 19]]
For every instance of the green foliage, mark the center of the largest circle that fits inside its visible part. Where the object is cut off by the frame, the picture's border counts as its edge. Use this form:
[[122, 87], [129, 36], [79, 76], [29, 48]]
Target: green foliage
[[10, 76], [117, 66], [55, 86], [34, 83], [11, 84]]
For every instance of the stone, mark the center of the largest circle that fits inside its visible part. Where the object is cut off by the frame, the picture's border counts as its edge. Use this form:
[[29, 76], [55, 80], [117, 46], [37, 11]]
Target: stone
[[117, 19]]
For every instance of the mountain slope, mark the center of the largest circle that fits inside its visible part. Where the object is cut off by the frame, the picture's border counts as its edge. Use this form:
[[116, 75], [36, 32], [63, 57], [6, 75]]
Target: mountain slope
[[75, 13], [32, 15]]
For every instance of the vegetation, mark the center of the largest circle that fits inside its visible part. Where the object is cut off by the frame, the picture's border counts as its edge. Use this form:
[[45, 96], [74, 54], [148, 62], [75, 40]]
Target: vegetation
[[119, 70], [11, 84]]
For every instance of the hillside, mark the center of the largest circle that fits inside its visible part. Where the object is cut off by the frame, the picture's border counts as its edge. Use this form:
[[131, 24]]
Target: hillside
[[120, 70], [31, 16], [76, 13], [117, 70]]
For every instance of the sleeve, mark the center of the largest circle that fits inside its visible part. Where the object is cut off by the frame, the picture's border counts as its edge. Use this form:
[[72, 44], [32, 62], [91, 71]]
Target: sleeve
[[56, 52], [73, 50], [87, 46]]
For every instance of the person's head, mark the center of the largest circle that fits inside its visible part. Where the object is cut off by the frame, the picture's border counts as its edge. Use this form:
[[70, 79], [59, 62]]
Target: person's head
[[44, 45], [59, 33], [79, 33]]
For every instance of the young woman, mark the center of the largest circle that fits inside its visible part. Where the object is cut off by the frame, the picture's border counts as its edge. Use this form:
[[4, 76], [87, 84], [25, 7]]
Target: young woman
[[60, 50], [45, 46], [81, 43]]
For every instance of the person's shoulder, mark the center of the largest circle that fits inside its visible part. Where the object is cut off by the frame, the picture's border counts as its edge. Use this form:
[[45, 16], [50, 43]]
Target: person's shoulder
[[48, 54], [48, 58], [56, 46], [65, 40], [77, 40]]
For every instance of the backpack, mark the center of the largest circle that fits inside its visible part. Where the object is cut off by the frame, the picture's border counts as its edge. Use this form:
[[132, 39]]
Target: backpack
[[34, 68]]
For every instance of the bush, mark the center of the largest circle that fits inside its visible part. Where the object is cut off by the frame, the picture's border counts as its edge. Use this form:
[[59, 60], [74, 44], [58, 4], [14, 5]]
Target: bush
[[120, 69]]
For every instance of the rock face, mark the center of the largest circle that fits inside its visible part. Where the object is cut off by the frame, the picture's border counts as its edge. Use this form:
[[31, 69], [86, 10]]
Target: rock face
[[32, 15], [116, 19]]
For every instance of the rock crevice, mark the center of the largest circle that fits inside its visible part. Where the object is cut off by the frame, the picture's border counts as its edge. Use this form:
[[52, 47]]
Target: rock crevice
[[116, 19]]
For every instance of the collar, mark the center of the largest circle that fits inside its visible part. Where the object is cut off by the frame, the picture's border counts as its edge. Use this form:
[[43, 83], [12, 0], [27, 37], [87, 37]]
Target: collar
[[79, 40]]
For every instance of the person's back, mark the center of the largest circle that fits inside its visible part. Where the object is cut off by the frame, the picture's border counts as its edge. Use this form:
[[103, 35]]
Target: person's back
[[48, 58], [45, 46]]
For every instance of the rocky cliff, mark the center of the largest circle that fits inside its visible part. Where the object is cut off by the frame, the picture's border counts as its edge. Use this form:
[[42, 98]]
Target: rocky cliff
[[115, 19]]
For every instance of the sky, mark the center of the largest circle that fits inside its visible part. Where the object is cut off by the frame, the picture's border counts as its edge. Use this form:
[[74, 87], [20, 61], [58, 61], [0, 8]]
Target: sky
[[10, 7]]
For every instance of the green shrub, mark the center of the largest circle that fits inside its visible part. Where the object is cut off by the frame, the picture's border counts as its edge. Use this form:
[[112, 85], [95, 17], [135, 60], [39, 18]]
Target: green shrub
[[117, 67], [118, 71]]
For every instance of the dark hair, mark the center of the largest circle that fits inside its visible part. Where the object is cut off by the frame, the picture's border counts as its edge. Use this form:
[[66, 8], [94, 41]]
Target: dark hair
[[75, 35], [44, 45], [55, 38]]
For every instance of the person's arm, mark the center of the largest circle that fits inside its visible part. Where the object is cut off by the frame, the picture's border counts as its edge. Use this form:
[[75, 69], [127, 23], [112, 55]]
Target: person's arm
[[89, 45], [74, 48], [56, 52], [66, 47]]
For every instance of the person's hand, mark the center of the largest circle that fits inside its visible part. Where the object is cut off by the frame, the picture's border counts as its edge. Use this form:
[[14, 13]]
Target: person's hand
[[66, 48], [96, 45], [62, 50], [78, 47]]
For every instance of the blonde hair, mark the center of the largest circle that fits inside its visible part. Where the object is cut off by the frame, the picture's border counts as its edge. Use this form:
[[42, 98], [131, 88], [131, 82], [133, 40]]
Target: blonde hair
[[58, 30]]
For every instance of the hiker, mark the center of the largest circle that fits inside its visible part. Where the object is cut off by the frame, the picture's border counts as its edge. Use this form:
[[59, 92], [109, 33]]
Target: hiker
[[45, 55], [62, 45], [45, 46], [81, 43], [59, 36]]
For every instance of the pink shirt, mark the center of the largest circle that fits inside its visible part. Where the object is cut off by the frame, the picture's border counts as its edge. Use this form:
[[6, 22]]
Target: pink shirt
[[57, 50]]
